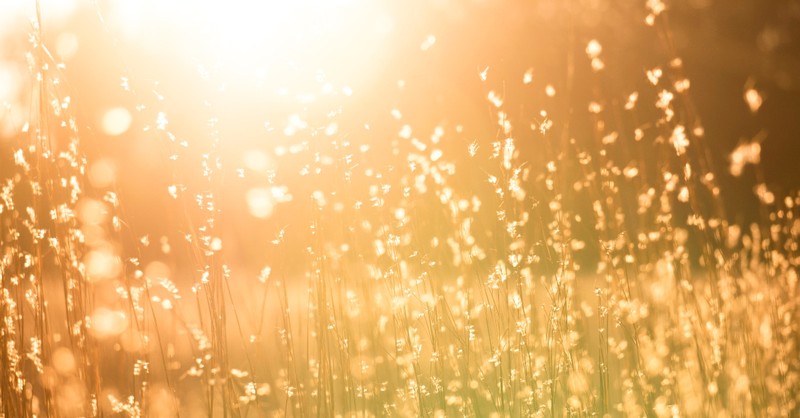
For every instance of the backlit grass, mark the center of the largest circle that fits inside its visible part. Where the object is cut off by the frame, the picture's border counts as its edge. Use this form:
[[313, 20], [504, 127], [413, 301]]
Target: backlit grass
[[573, 255]]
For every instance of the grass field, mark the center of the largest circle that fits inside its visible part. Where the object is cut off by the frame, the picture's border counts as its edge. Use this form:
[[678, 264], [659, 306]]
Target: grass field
[[557, 244]]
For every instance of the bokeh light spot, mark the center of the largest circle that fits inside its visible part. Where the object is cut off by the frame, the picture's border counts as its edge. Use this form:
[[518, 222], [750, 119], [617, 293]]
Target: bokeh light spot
[[108, 323], [102, 173], [63, 361], [67, 45], [116, 121], [260, 202]]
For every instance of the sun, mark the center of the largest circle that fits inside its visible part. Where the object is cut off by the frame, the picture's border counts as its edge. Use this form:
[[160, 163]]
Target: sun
[[270, 39]]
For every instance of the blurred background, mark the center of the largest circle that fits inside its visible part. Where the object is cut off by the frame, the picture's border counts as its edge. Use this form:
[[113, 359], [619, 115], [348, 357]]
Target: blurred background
[[153, 83]]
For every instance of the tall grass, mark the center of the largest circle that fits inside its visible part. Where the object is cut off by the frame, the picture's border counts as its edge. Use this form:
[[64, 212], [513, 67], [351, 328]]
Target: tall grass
[[533, 273]]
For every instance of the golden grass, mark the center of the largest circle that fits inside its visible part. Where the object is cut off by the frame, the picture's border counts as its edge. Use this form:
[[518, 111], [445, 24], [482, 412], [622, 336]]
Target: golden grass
[[529, 274]]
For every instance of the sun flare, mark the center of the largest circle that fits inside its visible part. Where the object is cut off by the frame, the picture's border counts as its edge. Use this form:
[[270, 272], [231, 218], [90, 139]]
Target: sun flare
[[280, 42], [399, 208]]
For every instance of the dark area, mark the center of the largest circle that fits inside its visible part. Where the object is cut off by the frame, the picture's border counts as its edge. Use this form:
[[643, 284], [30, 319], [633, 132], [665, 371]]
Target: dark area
[[728, 46]]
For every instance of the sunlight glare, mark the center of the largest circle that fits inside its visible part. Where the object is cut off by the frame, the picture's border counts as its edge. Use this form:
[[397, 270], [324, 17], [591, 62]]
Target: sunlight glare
[[67, 45], [336, 37]]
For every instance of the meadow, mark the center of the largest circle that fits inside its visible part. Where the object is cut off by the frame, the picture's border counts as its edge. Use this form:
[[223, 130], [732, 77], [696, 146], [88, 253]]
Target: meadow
[[553, 236]]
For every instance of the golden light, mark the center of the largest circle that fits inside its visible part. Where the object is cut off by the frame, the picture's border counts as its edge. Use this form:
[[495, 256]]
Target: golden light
[[63, 361], [102, 173], [257, 161], [132, 340], [66, 45], [102, 264], [260, 202], [116, 121], [54, 12], [269, 40], [161, 402], [92, 212], [157, 271], [10, 82], [437, 206], [108, 323]]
